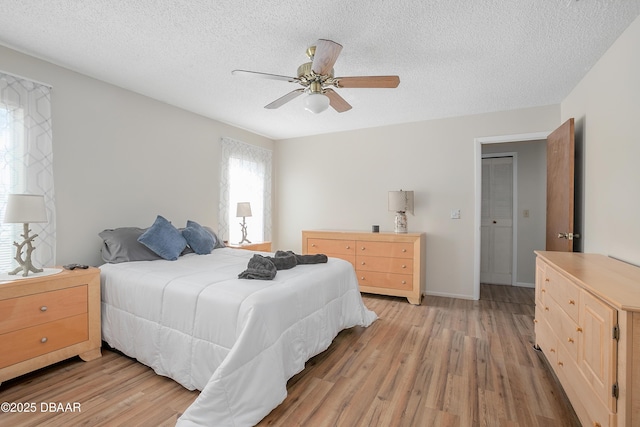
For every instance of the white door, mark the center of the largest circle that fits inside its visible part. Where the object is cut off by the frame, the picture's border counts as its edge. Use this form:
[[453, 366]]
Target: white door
[[496, 229]]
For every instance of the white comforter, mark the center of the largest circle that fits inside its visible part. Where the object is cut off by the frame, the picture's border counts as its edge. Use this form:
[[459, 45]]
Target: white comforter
[[238, 341]]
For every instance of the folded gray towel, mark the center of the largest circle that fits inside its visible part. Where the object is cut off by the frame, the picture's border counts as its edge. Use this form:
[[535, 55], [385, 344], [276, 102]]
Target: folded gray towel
[[259, 267], [304, 259], [265, 267]]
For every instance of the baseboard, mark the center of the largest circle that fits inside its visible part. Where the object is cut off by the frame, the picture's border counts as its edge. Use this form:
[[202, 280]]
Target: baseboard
[[448, 295], [525, 285]]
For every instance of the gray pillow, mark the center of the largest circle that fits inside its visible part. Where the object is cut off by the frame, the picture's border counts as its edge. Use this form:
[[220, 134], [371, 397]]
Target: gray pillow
[[121, 245], [219, 242], [200, 240], [164, 239]]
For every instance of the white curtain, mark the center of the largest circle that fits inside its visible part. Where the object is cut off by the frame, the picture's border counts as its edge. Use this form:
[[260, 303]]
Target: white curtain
[[245, 177], [26, 164]]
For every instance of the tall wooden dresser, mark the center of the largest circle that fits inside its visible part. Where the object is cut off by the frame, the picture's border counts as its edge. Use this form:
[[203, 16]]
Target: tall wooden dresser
[[587, 323], [46, 319], [385, 263]]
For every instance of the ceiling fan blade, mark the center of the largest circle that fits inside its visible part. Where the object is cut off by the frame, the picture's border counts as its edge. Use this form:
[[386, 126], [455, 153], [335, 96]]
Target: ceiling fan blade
[[336, 101], [326, 54], [284, 99], [264, 75], [369, 82]]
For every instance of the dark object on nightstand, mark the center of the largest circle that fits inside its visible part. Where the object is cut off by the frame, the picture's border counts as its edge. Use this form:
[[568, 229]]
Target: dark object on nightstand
[[74, 266]]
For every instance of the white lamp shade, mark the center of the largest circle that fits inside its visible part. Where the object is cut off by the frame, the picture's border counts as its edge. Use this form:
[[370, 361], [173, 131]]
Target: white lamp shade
[[25, 208], [401, 201], [243, 209], [316, 102]]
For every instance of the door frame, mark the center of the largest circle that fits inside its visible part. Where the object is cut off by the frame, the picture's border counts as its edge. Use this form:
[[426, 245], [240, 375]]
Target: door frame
[[514, 207], [477, 143]]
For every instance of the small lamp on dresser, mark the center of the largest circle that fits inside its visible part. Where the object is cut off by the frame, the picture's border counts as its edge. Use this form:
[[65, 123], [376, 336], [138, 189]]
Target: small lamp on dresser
[[243, 210], [25, 209], [401, 202]]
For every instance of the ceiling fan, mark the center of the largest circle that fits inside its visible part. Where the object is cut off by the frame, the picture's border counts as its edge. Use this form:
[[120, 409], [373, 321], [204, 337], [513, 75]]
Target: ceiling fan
[[317, 79]]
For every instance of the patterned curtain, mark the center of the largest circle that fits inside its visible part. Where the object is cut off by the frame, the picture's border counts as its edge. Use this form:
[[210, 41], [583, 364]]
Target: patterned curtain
[[26, 164], [245, 177]]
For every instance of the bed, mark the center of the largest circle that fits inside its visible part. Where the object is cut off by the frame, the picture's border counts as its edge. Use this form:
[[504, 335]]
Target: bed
[[236, 340]]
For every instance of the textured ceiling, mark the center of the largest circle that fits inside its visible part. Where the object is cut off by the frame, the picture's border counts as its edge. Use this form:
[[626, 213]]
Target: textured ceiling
[[454, 57]]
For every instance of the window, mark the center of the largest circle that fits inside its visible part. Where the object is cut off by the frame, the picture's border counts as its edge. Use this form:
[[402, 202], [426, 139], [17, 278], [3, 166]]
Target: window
[[245, 177], [26, 163]]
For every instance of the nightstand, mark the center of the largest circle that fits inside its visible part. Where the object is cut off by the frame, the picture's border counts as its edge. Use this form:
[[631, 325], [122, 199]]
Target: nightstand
[[260, 246], [46, 319]]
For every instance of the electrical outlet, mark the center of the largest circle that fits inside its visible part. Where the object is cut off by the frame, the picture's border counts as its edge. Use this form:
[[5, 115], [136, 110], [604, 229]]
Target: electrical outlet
[[455, 214]]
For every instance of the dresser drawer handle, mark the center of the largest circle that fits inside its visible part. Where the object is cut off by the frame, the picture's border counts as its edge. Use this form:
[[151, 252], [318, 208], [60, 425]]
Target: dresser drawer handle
[[546, 309], [596, 424], [572, 302], [404, 250], [362, 278], [43, 340], [578, 329], [552, 350], [560, 364], [546, 279], [43, 308], [570, 340], [313, 245], [347, 247], [404, 282], [404, 266], [362, 248], [362, 263], [543, 290], [535, 320]]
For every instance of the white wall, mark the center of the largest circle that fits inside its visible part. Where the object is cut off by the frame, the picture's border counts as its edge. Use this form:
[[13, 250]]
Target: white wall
[[606, 106], [121, 158], [532, 192], [340, 181]]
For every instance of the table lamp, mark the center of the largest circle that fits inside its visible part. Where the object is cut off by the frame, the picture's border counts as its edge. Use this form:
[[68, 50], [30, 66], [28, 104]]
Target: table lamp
[[243, 210], [401, 202], [25, 209]]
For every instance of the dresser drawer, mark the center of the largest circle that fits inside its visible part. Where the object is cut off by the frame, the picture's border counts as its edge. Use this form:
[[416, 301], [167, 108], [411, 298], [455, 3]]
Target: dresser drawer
[[385, 249], [331, 246], [384, 265], [565, 329], [566, 294], [37, 340], [30, 310], [385, 280], [545, 338]]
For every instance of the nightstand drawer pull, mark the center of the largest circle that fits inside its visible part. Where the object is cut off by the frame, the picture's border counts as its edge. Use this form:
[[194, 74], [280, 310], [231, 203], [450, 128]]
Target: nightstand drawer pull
[[43, 308], [404, 266], [43, 340]]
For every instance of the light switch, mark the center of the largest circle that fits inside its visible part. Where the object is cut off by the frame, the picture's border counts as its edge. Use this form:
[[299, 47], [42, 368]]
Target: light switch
[[455, 214]]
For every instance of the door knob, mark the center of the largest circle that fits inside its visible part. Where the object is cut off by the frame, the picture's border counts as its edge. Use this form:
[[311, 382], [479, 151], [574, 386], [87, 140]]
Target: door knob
[[569, 236]]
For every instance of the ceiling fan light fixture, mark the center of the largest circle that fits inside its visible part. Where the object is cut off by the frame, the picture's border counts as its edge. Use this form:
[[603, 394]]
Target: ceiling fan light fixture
[[316, 102]]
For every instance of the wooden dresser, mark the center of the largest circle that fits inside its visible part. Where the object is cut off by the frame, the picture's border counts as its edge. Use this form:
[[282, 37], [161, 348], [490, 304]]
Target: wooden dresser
[[385, 263], [47, 319], [587, 324]]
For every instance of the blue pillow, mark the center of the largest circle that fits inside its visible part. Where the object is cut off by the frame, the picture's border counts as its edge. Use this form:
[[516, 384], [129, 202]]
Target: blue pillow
[[199, 239], [163, 239]]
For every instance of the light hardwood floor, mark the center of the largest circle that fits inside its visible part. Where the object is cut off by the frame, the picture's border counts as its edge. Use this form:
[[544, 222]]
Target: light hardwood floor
[[448, 362]]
